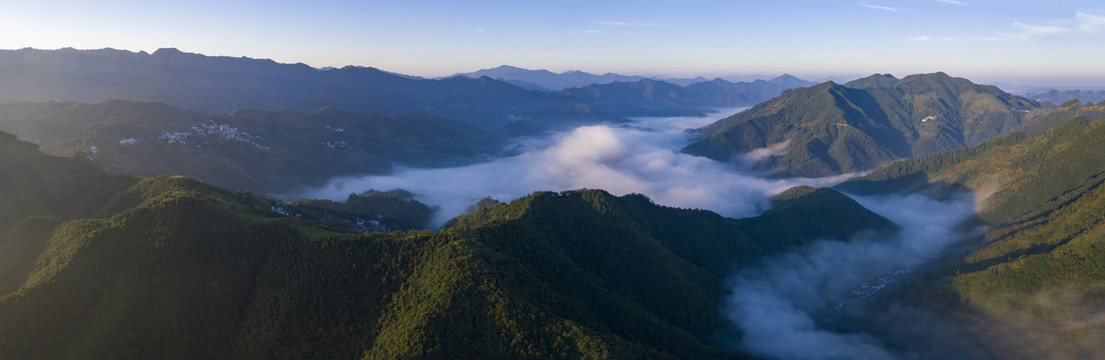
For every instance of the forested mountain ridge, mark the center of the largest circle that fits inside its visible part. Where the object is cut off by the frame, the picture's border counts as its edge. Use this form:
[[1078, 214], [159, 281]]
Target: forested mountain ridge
[[1035, 276], [1044, 119], [267, 151], [833, 129], [169, 266]]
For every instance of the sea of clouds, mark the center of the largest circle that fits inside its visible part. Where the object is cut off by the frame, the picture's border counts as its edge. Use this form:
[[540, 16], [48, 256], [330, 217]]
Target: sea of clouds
[[643, 158], [778, 305]]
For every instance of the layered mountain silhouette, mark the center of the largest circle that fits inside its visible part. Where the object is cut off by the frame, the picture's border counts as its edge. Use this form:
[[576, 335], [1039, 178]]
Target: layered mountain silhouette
[[1062, 96], [547, 80], [833, 129], [211, 84]]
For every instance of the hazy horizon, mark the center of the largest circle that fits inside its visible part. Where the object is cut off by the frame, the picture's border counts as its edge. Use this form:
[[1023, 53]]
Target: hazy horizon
[[1020, 43]]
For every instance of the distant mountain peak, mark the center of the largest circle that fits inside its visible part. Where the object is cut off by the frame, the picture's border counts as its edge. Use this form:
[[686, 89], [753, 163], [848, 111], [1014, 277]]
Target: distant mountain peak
[[874, 81], [869, 121], [790, 81], [167, 51]]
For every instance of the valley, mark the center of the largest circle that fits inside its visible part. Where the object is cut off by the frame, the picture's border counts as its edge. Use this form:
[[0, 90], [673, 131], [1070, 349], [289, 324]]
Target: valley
[[215, 207]]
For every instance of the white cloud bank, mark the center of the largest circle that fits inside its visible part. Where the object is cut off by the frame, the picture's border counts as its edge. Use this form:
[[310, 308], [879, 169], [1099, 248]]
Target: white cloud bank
[[642, 159], [777, 305]]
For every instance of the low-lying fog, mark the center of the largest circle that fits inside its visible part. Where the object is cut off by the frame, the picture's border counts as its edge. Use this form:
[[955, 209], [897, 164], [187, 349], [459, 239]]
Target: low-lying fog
[[784, 307], [641, 157]]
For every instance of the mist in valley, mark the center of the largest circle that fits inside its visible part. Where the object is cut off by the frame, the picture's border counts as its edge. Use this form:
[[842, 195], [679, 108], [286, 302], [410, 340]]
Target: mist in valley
[[792, 306], [640, 157], [781, 306]]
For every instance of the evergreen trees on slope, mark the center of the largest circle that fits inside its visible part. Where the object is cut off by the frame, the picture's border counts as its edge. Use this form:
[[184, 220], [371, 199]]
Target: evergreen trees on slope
[[1031, 281], [832, 129], [172, 267]]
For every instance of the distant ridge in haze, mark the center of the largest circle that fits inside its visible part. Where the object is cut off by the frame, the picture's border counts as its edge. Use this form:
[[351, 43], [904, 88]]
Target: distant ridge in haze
[[650, 97], [215, 84], [1061, 96], [548, 80]]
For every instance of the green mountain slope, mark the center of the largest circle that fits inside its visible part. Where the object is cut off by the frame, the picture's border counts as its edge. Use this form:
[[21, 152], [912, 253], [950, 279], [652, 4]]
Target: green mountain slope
[[172, 267], [1035, 277], [798, 215], [37, 184], [1045, 119], [832, 129], [267, 151]]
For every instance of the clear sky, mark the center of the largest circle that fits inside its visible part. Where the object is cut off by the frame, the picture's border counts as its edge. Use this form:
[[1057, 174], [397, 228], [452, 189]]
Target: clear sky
[[1040, 42]]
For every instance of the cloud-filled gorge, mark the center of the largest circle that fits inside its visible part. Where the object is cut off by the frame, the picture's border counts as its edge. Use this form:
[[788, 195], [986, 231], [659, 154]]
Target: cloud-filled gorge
[[783, 306], [643, 158]]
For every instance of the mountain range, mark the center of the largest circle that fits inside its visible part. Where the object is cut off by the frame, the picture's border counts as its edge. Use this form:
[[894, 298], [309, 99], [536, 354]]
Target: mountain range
[[141, 267], [549, 81], [97, 264], [545, 80], [106, 251], [1062, 96], [212, 84]]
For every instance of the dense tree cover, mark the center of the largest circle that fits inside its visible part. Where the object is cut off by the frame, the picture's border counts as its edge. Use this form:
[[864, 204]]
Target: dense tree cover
[[170, 267], [799, 214], [35, 184], [834, 129], [267, 151], [1038, 269]]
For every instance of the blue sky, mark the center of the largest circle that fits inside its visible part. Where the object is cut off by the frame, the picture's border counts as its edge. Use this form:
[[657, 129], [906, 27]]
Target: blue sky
[[1036, 42]]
